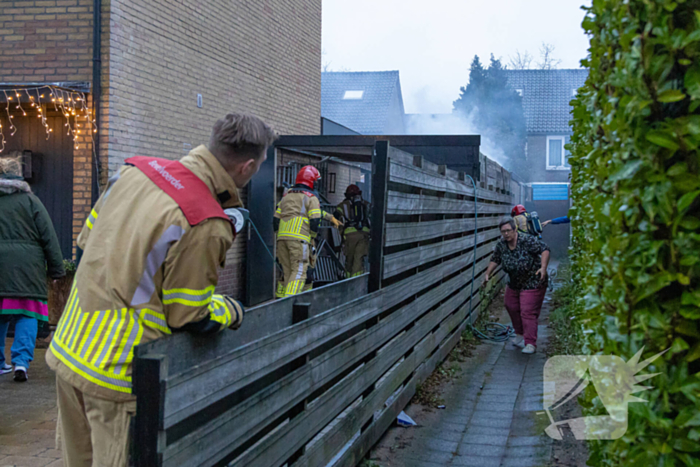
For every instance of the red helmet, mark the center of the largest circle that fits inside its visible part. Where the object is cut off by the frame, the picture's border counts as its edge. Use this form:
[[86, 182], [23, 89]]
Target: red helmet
[[517, 210], [307, 176], [352, 190]]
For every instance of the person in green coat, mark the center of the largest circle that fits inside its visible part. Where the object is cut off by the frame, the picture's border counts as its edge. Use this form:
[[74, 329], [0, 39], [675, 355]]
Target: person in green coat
[[29, 250]]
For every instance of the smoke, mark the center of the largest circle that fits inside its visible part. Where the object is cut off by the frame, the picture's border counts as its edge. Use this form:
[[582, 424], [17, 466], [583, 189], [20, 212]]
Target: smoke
[[454, 124]]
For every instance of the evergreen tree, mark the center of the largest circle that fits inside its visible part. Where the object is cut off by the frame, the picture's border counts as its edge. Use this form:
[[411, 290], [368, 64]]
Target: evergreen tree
[[497, 112]]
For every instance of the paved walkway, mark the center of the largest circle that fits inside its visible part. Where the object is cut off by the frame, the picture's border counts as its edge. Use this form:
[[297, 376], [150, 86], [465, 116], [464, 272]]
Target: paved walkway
[[28, 417], [493, 416]]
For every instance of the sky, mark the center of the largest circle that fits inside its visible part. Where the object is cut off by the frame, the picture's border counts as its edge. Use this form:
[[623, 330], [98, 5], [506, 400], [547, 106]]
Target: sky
[[432, 42]]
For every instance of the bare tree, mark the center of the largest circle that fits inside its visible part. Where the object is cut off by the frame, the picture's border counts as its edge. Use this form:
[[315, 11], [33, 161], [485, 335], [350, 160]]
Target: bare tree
[[520, 61], [547, 60], [325, 64]]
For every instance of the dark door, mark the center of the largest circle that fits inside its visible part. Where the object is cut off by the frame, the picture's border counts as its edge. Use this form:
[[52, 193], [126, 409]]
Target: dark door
[[52, 167]]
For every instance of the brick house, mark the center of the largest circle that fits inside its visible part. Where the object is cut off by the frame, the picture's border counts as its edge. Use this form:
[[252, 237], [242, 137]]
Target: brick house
[[546, 98], [169, 69]]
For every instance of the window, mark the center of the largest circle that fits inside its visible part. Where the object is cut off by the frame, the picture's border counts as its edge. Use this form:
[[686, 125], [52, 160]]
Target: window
[[557, 155], [353, 95]]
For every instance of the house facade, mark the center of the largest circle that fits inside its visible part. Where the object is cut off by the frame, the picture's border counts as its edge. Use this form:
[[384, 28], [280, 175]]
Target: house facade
[[546, 97], [168, 70]]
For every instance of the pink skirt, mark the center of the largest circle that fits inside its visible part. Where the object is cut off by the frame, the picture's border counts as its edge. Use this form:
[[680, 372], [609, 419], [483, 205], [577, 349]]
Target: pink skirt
[[38, 309]]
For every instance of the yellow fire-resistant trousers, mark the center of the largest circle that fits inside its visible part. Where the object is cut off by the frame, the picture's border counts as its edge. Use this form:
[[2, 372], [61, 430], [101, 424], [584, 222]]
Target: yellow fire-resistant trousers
[[92, 432], [294, 256], [356, 247]]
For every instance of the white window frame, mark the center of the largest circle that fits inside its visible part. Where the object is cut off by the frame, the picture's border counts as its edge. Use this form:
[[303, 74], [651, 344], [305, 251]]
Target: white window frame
[[561, 138]]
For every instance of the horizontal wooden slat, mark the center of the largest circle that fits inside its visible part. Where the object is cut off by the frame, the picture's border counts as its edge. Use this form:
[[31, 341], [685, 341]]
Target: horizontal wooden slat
[[241, 422], [404, 260], [400, 233], [216, 379], [413, 204], [414, 176], [188, 350]]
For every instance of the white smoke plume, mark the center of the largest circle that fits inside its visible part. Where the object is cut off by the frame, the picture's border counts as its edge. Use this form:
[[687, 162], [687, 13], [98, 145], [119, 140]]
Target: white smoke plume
[[453, 124]]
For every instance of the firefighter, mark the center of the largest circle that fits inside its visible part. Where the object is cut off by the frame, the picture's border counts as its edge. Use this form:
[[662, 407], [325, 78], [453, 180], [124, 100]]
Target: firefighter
[[354, 212], [297, 219], [152, 245]]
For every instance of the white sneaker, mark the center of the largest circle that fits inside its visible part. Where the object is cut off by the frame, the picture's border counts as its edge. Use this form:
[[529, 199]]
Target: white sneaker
[[518, 341], [529, 348], [20, 374], [5, 369]]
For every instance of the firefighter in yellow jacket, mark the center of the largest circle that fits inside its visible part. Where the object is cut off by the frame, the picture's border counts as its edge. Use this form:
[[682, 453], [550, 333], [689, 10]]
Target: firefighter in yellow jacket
[[152, 247], [297, 219], [354, 212]]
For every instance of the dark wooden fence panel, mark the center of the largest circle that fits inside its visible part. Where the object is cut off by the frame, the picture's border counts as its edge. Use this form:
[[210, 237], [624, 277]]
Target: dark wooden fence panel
[[321, 376]]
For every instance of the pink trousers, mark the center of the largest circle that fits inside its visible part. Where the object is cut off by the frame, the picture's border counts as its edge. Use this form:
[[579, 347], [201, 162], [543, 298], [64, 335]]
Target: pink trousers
[[524, 307]]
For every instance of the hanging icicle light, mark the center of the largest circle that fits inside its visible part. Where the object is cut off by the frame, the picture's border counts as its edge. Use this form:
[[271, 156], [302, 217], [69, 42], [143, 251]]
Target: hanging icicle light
[[68, 103]]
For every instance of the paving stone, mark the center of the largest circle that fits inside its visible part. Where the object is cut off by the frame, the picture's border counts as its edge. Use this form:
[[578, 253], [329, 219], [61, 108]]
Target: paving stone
[[492, 440], [497, 406], [492, 423], [487, 414], [476, 461], [420, 463], [25, 461], [524, 462], [474, 430], [56, 463], [481, 450], [51, 453]]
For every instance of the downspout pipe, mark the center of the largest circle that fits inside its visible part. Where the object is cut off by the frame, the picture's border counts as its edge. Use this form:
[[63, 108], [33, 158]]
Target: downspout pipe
[[96, 94]]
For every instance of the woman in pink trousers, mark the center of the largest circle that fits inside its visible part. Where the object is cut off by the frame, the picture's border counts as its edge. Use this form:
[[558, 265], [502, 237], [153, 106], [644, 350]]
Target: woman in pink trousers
[[524, 258]]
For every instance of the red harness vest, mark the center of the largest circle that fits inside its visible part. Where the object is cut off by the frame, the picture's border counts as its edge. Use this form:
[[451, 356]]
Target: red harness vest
[[190, 193]]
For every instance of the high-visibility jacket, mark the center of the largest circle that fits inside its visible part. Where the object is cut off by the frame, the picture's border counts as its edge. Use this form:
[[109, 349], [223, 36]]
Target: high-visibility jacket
[[295, 211], [150, 266], [355, 216]]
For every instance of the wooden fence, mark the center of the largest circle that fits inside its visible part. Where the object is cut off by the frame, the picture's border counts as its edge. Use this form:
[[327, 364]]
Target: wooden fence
[[317, 378]]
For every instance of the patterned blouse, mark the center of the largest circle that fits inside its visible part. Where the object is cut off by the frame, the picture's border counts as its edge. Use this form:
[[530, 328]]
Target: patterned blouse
[[522, 263]]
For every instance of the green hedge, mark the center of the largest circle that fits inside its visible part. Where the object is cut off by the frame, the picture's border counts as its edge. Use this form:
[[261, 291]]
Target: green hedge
[[636, 216]]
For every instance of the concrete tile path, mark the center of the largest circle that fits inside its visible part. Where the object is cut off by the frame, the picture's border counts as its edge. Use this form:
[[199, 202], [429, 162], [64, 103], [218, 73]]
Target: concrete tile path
[[493, 417], [28, 417]]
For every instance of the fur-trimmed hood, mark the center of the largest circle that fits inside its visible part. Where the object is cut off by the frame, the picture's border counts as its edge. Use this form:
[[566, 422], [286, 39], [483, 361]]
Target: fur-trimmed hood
[[9, 186]]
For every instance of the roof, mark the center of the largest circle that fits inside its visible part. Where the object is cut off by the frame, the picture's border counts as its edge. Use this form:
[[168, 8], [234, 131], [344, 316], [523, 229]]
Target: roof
[[546, 96], [368, 115]]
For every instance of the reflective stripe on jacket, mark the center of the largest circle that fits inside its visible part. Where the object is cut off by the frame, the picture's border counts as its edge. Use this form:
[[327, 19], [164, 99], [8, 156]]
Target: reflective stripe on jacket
[[294, 211], [145, 272]]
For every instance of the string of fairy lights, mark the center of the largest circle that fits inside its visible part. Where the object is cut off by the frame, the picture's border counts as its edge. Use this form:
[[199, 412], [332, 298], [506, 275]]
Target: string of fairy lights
[[71, 104]]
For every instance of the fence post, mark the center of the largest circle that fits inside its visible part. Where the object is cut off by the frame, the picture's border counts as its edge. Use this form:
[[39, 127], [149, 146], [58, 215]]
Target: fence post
[[380, 178], [149, 388]]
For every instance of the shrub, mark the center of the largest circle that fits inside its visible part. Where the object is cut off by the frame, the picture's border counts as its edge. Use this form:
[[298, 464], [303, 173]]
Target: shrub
[[636, 216]]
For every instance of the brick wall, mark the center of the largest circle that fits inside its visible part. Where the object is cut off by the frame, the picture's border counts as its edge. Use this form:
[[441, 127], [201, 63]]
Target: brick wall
[[260, 57]]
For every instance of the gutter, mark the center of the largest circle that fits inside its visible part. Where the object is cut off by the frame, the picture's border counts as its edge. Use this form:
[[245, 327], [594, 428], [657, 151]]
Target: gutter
[[96, 95]]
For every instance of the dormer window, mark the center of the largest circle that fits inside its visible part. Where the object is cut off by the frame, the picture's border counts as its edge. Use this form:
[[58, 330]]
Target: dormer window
[[353, 95]]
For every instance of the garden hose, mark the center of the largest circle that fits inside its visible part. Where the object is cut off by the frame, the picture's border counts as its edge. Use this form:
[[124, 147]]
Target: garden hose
[[494, 332]]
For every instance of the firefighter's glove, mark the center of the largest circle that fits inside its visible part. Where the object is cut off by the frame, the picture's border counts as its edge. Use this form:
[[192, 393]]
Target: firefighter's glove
[[336, 223]]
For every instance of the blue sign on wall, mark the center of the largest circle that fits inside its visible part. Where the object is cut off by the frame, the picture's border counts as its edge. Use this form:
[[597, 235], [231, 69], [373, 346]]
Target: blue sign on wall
[[550, 191]]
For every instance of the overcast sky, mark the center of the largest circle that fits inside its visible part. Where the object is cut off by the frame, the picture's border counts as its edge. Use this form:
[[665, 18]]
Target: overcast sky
[[432, 42]]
